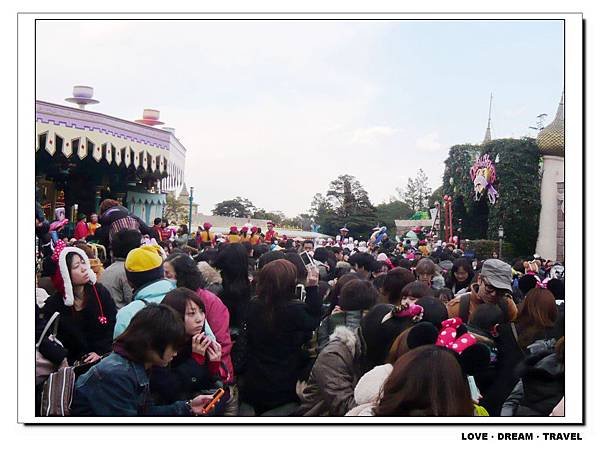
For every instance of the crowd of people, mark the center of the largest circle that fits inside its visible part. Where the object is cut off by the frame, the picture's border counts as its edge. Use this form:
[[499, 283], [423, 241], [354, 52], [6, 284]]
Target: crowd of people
[[148, 321]]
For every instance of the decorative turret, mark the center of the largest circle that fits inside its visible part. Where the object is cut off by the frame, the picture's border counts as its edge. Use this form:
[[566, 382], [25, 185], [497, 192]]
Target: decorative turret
[[551, 139], [150, 118], [82, 96], [488, 132], [183, 193]]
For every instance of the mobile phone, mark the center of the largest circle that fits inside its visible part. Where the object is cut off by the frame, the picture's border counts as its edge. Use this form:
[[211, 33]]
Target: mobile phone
[[307, 259], [475, 394], [214, 401], [300, 292]]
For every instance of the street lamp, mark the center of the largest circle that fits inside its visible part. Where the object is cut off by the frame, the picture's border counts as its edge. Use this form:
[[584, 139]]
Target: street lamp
[[190, 215], [500, 237]]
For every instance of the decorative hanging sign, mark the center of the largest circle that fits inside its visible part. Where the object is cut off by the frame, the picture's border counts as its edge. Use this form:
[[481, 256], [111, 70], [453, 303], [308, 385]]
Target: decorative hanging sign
[[483, 175]]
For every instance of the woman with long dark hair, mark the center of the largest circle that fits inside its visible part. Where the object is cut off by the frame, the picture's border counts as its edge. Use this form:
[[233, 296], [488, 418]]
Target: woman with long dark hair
[[278, 326], [426, 381], [196, 367], [184, 271], [461, 276], [232, 261]]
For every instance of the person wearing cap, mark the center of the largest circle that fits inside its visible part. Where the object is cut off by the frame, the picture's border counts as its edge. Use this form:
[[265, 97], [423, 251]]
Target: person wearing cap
[[271, 233], [342, 238], [244, 237], [494, 286], [145, 274], [233, 236], [204, 237], [254, 236]]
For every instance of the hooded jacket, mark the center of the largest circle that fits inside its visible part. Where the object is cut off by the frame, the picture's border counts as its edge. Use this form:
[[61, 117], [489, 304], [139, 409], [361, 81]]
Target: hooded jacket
[[330, 387], [217, 315], [350, 319], [88, 330], [153, 292], [368, 388], [541, 387]]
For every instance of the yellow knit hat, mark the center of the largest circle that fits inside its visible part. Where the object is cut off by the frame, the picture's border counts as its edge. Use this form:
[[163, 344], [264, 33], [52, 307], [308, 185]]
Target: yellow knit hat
[[144, 258], [143, 265]]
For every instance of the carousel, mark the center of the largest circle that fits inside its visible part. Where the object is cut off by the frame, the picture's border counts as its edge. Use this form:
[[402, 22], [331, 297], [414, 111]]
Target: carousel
[[82, 157]]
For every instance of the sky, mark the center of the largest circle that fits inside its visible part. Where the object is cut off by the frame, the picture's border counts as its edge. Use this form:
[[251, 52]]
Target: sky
[[274, 110]]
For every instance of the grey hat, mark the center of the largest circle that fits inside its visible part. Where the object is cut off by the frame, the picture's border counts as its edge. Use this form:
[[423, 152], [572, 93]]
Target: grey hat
[[497, 273]]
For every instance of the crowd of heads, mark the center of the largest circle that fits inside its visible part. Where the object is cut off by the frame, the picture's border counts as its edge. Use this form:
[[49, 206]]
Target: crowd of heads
[[419, 321]]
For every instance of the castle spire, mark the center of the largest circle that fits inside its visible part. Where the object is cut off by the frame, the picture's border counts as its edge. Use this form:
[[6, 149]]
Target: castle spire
[[488, 131]]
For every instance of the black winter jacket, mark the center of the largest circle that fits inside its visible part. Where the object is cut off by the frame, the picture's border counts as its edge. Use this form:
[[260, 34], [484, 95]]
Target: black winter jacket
[[541, 387], [81, 332], [276, 358]]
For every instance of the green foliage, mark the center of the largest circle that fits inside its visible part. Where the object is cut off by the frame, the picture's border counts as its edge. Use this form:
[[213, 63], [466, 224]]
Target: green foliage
[[436, 195], [275, 216], [417, 192], [346, 203], [387, 213], [518, 183], [176, 211], [237, 207]]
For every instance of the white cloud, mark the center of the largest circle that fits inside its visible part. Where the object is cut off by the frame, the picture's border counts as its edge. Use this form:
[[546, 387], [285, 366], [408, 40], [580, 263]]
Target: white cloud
[[372, 134], [429, 143]]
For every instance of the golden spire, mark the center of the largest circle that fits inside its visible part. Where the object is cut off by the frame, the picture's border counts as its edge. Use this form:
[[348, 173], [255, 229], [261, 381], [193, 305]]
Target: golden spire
[[551, 139], [488, 131]]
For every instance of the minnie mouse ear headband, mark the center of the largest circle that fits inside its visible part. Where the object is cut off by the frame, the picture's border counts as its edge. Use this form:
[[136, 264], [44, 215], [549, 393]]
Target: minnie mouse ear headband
[[66, 275], [472, 355]]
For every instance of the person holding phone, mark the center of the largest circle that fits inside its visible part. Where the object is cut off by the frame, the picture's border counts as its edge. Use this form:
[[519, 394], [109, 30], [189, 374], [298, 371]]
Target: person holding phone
[[195, 368], [119, 385], [277, 328]]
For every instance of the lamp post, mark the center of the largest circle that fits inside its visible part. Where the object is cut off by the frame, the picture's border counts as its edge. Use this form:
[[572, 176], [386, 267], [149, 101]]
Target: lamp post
[[500, 237], [190, 215]]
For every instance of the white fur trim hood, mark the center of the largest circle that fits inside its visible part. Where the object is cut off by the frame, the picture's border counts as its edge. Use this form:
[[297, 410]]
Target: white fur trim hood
[[346, 336], [66, 276]]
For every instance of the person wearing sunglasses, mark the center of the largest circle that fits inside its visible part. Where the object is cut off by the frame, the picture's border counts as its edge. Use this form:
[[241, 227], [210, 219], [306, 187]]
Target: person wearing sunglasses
[[493, 286]]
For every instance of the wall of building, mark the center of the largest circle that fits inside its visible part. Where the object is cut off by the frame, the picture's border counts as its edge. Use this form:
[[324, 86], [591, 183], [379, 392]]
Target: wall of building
[[553, 173]]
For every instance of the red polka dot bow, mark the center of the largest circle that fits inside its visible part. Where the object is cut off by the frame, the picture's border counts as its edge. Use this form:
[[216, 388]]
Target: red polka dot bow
[[60, 245], [449, 338]]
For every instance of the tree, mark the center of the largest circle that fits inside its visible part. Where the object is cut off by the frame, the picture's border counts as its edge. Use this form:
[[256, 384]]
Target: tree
[[349, 196], [417, 192], [275, 216], [237, 207], [387, 213], [302, 221], [176, 211], [346, 203]]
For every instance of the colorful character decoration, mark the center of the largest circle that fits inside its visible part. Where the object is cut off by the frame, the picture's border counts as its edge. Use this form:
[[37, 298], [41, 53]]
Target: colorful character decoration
[[483, 175]]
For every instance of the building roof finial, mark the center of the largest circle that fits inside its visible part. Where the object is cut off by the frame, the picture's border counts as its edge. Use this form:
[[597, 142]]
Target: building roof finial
[[488, 131]]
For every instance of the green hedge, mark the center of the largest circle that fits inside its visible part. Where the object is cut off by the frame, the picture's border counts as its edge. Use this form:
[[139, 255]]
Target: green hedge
[[483, 249]]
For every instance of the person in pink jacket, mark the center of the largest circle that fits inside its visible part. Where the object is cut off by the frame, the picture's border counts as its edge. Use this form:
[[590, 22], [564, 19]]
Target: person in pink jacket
[[182, 269]]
